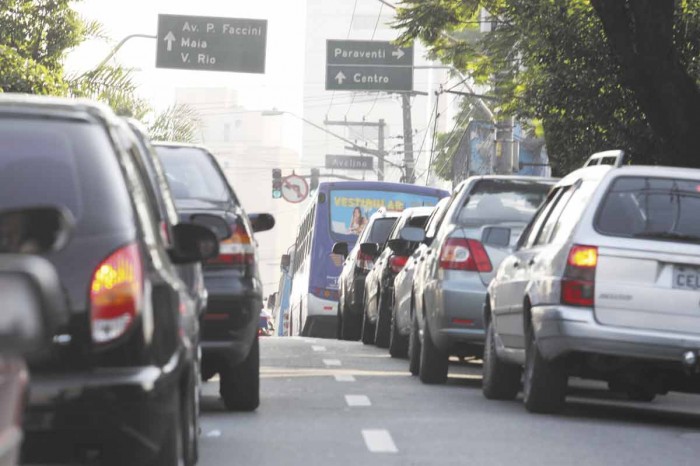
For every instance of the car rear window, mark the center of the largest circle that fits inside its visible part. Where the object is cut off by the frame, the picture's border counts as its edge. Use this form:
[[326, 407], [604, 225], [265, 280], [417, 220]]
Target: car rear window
[[653, 208], [380, 229], [494, 201], [63, 163], [192, 174]]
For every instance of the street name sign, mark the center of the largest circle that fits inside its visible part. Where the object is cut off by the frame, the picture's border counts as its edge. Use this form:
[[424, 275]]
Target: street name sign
[[362, 65], [349, 162], [204, 43]]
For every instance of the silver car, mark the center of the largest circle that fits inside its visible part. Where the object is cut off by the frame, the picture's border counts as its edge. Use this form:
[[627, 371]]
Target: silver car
[[483, 220], [603, 285]]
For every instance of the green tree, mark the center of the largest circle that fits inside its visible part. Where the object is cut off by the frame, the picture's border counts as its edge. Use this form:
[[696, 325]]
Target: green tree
[[554, 62]]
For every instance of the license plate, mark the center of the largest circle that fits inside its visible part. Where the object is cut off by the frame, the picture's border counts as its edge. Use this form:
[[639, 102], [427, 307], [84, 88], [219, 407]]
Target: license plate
[[686, 278]]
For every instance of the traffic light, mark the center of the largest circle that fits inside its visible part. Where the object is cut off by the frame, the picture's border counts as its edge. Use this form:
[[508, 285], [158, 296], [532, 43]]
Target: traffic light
[[276, 183], [315, 173]]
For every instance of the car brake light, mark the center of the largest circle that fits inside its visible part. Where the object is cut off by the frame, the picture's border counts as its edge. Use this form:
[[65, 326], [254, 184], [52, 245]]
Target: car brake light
[[578, 284], [365, 261], [116, 294], [237, 249], [465, 254], [397, 263]]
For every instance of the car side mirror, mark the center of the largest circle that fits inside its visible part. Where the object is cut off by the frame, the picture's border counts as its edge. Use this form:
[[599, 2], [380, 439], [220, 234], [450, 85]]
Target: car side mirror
[[341, 249], [496, 236], [31, 310], [370, 249], [400, 246], [218, 225], [34, 230], [194, 243], [262, 222], [412, 234]]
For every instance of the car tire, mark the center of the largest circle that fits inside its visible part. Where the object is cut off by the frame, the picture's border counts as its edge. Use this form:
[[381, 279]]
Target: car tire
[[350, 326], [368, 328], [414, 348], [383, 326], [398, 344], [240, 384], [433, 362], [501, 380], [172, 452], [190, 421], [544, 382]]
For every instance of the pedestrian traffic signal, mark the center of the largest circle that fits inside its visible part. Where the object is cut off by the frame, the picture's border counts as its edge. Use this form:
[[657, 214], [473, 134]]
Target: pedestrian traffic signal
[[276, 183], [315, 173]]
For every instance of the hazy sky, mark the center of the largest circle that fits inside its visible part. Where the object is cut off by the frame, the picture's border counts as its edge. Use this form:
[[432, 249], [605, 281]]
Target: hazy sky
[[279, 87]]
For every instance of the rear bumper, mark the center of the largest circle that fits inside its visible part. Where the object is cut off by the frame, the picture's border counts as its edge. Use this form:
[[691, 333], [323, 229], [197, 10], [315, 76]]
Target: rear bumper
[[461, 319], [565, 329], [117, 413]]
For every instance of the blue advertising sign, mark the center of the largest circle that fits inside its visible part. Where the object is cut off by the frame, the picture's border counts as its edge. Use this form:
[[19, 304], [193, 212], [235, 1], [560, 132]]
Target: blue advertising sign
[[350, 210]]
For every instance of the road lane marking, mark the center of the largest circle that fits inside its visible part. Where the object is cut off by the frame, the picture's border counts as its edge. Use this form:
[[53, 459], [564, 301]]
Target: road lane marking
[[331, 362], [344, 378], [379, 441], [318, 348], [357, 400]]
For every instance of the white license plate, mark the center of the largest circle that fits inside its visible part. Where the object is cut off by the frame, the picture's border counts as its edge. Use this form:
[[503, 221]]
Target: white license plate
[[686, 278]]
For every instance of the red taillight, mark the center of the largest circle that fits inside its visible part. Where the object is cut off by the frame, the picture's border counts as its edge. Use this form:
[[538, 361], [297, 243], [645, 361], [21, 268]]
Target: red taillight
[[397, 263], [365, 261], [578, 284], [465, 254], [237, 249], [116, 293]]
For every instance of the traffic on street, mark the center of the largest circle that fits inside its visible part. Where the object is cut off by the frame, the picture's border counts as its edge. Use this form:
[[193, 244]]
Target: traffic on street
[[311, 232]]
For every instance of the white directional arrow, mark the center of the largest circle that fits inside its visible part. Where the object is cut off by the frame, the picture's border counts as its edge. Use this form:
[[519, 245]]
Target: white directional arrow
[[340, 77], [398, 53], [170, 38]]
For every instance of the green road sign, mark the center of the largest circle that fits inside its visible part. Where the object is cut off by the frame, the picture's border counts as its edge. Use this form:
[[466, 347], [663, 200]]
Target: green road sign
[[353, 65], [211, 44]]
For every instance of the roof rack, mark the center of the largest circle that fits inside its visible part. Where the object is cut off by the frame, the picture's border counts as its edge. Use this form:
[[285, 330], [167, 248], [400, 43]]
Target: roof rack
[[616, 158]]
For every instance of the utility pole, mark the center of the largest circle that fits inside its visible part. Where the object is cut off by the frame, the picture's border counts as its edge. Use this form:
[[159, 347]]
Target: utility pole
[[379, 152], [408, 160], [380, 146]]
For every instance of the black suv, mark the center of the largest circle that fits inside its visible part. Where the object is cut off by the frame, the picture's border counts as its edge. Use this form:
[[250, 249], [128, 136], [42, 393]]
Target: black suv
[[117, 384], [230, 344]]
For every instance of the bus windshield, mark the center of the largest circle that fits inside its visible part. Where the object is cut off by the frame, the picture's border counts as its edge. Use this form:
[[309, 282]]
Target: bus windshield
[[351, 209]]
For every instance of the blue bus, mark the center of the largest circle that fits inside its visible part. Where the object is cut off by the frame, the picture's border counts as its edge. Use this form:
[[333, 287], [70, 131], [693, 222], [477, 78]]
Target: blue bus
[[337, 212]]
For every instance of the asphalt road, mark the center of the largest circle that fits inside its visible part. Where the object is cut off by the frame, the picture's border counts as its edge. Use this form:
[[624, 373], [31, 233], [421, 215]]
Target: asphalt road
[[326, 402]]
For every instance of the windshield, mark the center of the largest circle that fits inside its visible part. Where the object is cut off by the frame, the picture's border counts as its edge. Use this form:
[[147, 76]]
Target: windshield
[[351, 209], [502, 201], [192, 175], [654, 208]]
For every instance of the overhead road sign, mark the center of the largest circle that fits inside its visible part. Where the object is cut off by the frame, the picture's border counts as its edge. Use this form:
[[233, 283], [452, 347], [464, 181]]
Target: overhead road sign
[[205, 43], [353, 65], [349, 162]]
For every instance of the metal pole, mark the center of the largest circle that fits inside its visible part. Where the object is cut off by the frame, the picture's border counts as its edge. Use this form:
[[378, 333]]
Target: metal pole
[[380, 161], [408, 140], [115, 49]]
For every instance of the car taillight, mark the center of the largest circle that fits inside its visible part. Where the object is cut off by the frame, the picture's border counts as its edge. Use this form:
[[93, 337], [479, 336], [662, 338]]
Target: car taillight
[[365, 261], [116, 294], [397, 263], [237, 249], [465, 254], [578, 284]]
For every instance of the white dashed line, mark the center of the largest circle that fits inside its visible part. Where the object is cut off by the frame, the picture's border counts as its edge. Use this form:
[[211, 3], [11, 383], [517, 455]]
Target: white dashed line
[[318, 348], [357, 400], [331, 362], [379, 441], [344, 378]]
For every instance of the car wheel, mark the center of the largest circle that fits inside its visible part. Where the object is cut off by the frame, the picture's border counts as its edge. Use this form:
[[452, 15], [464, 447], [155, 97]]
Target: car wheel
[[172, 452], [383, 326], [433, 362], [414, 348], [501, 380], [544, 382], [350, 326], [339, 320], [190, 421], [368, 328], [398, 344], [240, 384]]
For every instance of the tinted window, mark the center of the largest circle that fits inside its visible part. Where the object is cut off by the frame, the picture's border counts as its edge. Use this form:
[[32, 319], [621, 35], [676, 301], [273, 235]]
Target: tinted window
[[418, 221], [380, 229], [63, 163], [192, 175], [573, 212], [502, 201], [553, 218], [655, 208]]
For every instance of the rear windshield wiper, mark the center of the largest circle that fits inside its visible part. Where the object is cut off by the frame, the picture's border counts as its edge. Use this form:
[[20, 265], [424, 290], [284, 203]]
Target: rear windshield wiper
[[668, 235]]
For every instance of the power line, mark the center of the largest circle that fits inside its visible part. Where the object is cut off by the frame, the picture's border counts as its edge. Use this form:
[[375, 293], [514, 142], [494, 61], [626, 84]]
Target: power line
[[352, 20]]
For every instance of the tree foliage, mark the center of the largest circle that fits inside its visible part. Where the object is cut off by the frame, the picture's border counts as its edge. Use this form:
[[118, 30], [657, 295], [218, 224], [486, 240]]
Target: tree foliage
[[555, 61]]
